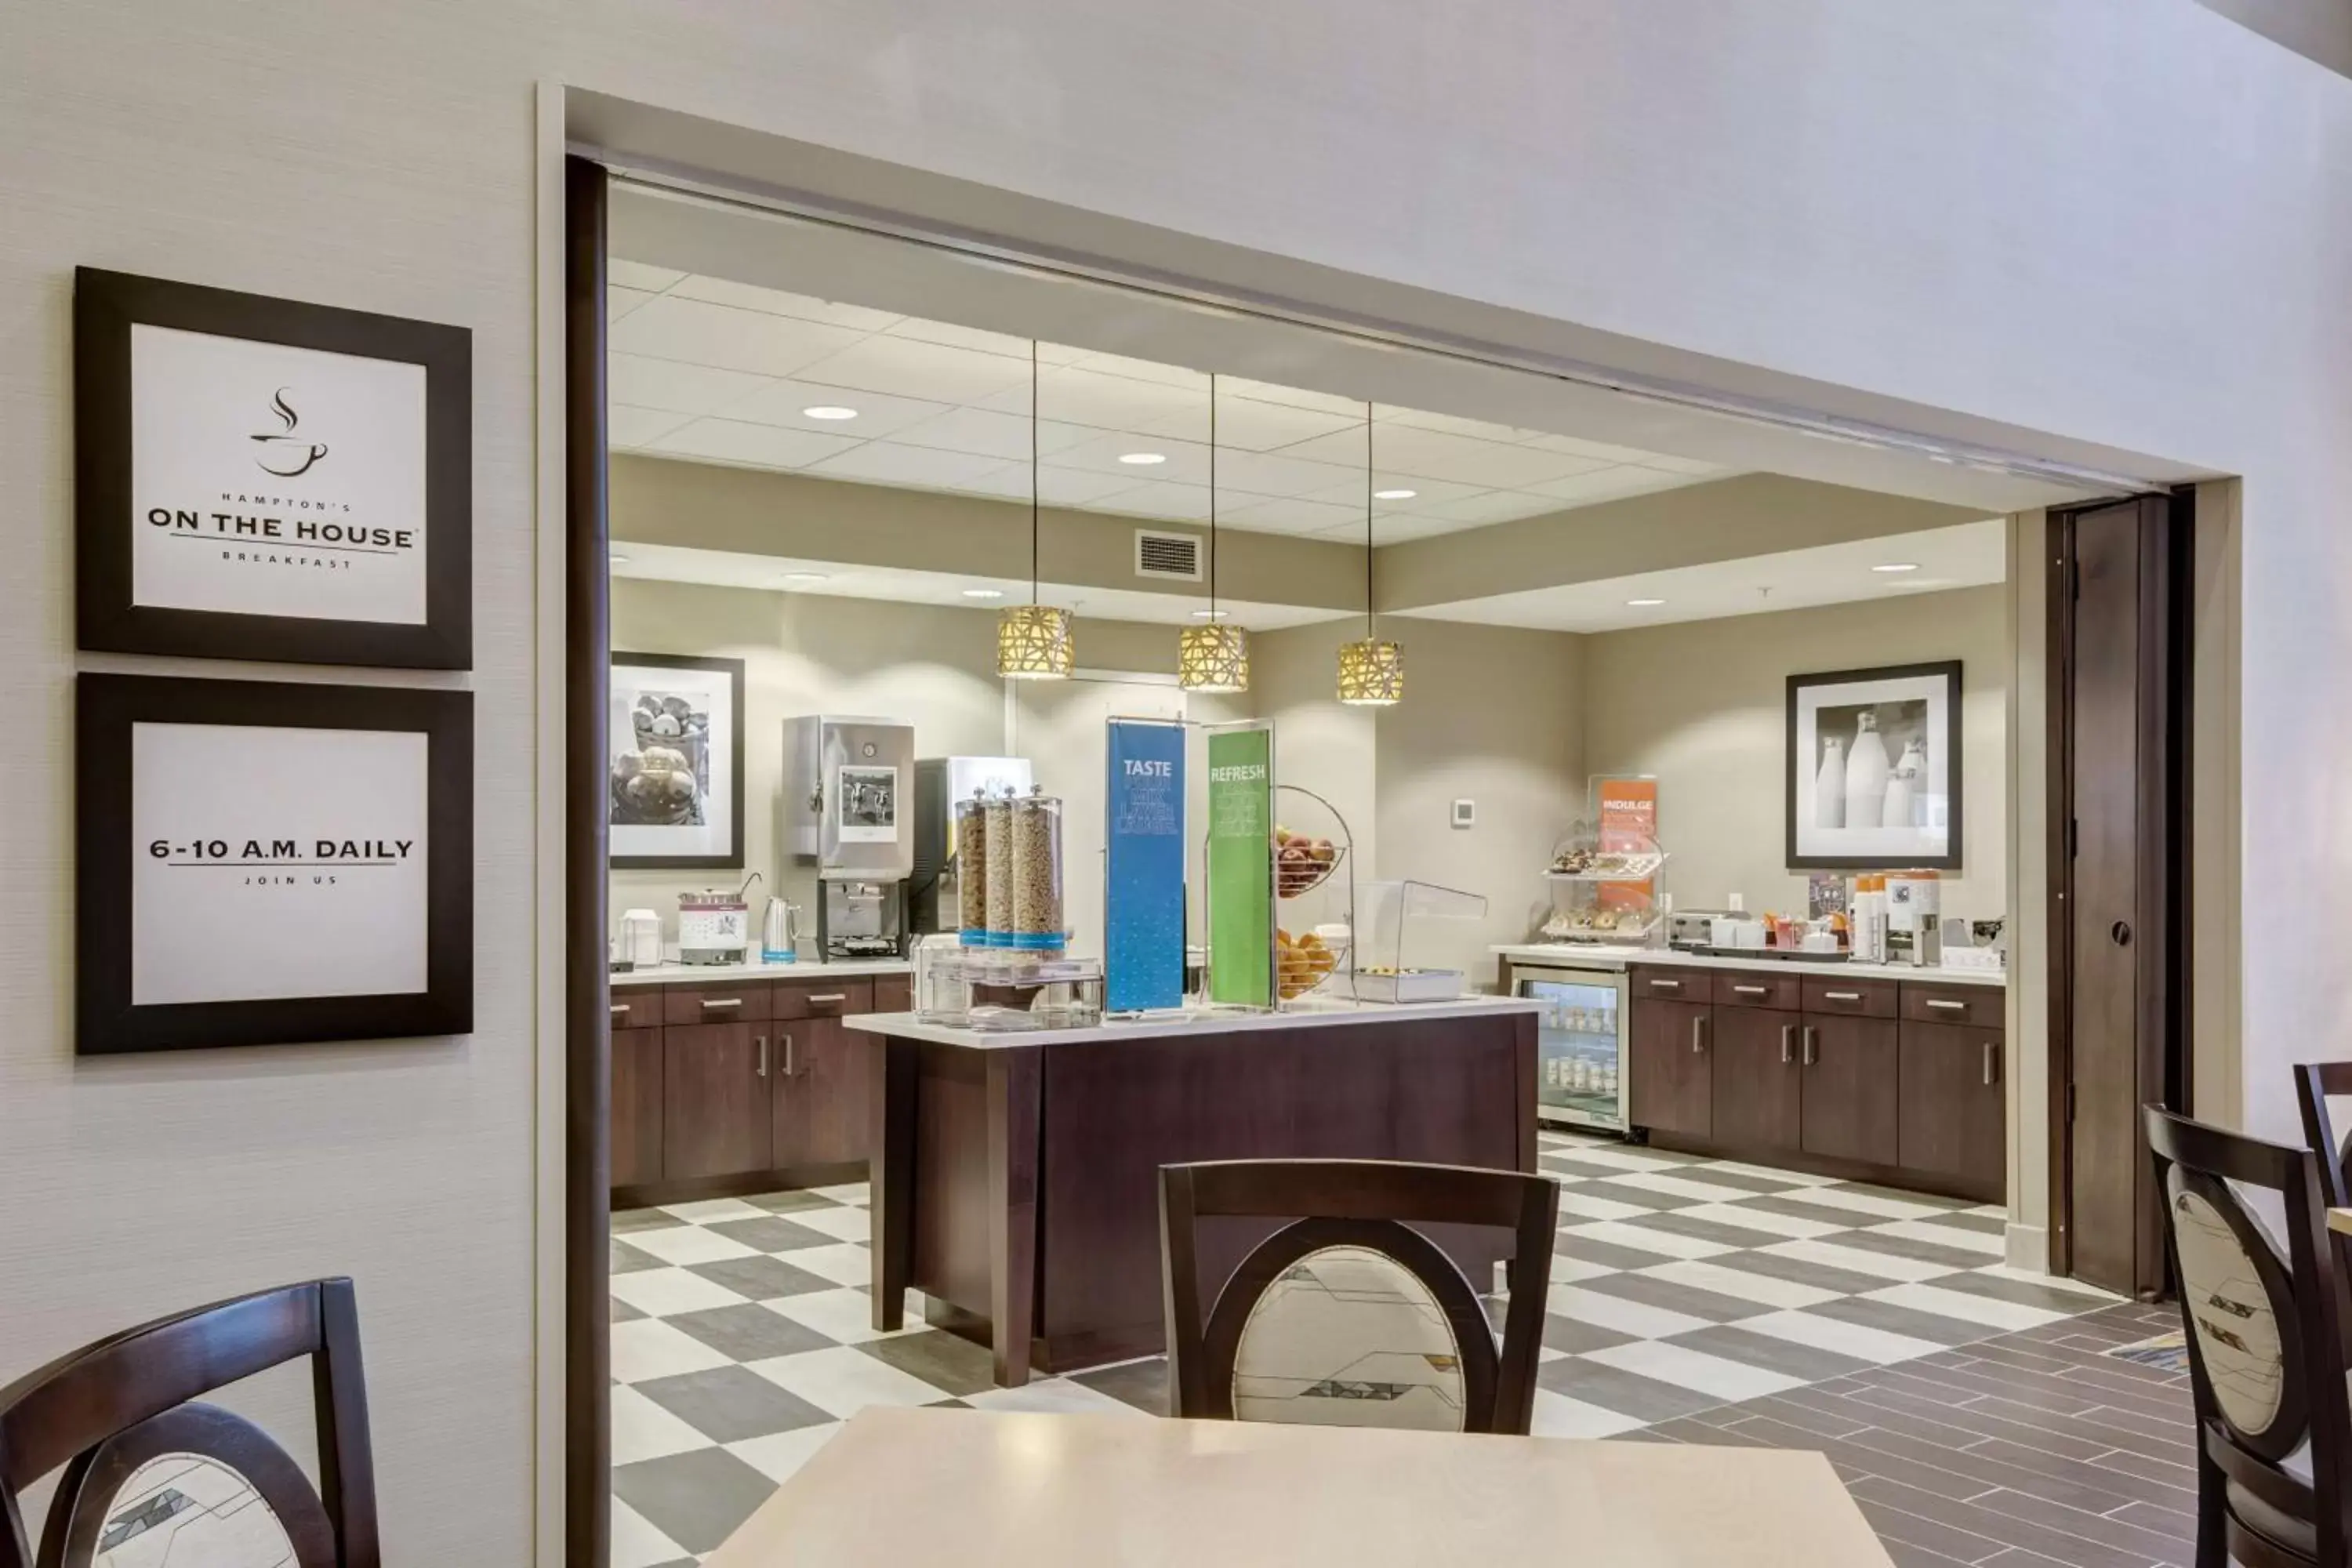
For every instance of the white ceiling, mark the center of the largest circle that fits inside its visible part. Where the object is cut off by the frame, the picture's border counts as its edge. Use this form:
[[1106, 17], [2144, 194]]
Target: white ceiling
[[709, 370], [1968, 555]]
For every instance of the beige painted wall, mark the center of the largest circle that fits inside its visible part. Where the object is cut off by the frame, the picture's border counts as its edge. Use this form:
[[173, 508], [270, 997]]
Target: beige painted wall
[[1704, 705]]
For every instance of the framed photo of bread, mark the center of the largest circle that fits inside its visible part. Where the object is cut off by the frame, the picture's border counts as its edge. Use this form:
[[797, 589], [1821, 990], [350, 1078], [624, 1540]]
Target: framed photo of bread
[[1872, 773], [271, 863], [267, 480], [677, 775]]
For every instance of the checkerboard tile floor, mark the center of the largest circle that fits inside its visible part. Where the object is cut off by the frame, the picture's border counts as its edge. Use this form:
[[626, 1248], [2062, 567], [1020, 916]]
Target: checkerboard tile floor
[[741, 1336]]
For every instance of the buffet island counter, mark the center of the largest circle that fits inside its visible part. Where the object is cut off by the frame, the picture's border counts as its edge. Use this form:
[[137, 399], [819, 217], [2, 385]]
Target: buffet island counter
[[1016, 1173]]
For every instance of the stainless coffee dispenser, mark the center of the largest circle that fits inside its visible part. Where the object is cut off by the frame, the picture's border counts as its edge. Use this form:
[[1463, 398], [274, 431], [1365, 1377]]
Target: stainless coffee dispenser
[[848, 798]]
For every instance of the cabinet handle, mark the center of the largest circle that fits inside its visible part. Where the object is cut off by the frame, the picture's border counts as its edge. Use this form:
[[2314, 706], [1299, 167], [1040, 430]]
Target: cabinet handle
[[788, 1056], [1944, 1005], [713, 1004], [1753, 989], [1665, 984], [1841, 995], [1788, 1039], [837, 996], [1991, 1064], [763, 1055], [1811, 1055], [1699, 1033], [620, 1009]]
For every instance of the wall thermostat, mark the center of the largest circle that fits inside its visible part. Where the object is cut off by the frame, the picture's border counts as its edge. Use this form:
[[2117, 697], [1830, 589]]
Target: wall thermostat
[[1465, 814]]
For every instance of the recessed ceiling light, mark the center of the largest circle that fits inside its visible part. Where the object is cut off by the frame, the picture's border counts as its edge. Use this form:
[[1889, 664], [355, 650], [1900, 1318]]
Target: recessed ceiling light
[[1143, 460], [983, 592], [828, 411], [1897, 566], [1646, 604], [805, 576], [1394, 495], [619, 559], [1212, 615]]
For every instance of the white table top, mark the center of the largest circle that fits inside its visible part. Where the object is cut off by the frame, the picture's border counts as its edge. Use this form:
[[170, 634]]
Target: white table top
[[675, 973], [1307, 1012], [1604, 955], [989, 1489]]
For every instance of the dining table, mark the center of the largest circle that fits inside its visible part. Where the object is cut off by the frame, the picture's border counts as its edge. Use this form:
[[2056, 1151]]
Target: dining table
[[1053, 1490]]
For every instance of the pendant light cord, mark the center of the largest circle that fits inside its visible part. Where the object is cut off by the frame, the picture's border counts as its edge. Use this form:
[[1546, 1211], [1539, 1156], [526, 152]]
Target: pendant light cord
[[1212, 499], [1369, 481], [1033, 470]]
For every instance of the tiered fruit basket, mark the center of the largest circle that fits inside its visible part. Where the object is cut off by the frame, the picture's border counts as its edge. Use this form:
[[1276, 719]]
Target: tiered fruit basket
[[1311, 954]]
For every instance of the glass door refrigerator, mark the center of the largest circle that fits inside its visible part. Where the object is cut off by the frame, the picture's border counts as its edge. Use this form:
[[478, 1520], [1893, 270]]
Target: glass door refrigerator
[[1579, 1043]]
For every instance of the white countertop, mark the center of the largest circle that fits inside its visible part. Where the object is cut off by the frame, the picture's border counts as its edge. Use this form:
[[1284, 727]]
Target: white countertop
[[1310, 1014], [726, 973], [1601, 955]]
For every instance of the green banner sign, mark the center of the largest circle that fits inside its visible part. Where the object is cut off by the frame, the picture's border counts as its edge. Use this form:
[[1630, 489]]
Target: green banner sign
[[1241, 867]]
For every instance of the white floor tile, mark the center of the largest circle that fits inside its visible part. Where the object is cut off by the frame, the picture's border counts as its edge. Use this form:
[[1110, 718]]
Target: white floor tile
[[706, 1210], [847, 1224], [843, 1315], [1740, 1284], [1557, 1415], [688, 1244], [1868, 1203], [1752, 1218], [1575, 1206], [1684, 1182], [666, 1292], [636, 1543], [1616, 1312], [1686, 1368], [644, 1430], [844, 1263], [1623, 1158], [842, 1381], [2092, 1295], [779, 1455], [1949, 1235], [1569, 1270], [1769, 1174], [2003, 1316], [1053, 1395], [1664, 1243], [650, 1348], [1844, 1339], [852, 1193], [1856, 1260]]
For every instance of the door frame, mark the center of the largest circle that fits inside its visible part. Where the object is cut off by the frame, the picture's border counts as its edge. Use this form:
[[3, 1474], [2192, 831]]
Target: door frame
[[2162, 929]]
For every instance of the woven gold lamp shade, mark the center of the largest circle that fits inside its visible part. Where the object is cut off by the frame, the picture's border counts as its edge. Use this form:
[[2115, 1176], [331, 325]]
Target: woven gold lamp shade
[[1372, 673], [1033, 643], [1213, 659]]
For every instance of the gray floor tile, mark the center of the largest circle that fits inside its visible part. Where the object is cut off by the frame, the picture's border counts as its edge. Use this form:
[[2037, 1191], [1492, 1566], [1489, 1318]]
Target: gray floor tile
[[772, 1235], [949, 1362], [1963, 1219], [1879, 1241], [789, 1203], [1606, 1254], [1579, 1170], [2022, 1293], [729, 1404], [625, 1314], [1628, 1393], [1142, 1383], [1794, 1205], [1640, 1197], [627, 1259], [1687, 1300], [1574, 1336], [1746, 1179], [1906, 1196], [697, 1499], [749, 1332], [627, 1220], [1717, 1231], [1733, 1342], [1933, 1326], [1820, 1275], [762, 1278]]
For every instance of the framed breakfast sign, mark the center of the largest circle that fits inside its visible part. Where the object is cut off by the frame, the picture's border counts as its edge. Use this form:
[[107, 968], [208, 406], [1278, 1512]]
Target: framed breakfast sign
[[261, 863], [261, 478]]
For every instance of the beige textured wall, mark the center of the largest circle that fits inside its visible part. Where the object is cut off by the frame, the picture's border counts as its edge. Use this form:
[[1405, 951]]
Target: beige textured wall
[[2217, 807], [1704, 705]]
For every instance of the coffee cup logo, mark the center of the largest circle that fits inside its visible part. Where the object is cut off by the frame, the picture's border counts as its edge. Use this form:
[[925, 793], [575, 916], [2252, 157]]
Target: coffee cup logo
[[285, 454]]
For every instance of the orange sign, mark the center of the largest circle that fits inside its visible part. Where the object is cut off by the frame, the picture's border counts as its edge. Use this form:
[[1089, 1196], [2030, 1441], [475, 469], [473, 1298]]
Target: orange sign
[[1629, 824]]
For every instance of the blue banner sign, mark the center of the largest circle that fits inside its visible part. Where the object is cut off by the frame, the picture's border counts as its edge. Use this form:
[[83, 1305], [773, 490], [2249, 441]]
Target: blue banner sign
[[1143, 887]]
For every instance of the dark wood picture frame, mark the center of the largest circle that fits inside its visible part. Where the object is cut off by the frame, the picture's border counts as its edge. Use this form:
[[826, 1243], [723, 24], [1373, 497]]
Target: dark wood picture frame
[[733, 860], [1948, 670], [107, 707], [106, 307]]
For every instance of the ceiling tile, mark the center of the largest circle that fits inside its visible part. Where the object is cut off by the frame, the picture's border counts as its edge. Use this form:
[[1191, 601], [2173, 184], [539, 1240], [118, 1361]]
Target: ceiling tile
[[1494, 506], [1606, 484], [1188, 461], [878, 414], [1352, 408], [639, 274], [700, 334], [1433, 454], [619, 302], [1082, 396], [1690, 466], [1452, 425], [644, 382], [950, 335], [1175, 375], [1277, 474], [1597, 449], [1253, 425], [994, 434], [755, 446], [778, 302], [1180, 503], [910, 368], [1426, 493], [1072, 487], [1290, 515], [627, 426], [890, 463]]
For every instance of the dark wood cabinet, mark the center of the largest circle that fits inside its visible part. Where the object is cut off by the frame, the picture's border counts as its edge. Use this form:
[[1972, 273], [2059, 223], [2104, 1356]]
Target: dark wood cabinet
[[821, 1097], [636, 1110], [1670, 1067], [1758, 1079], [1850, 1089], [715, 1099], [1952, 1105]]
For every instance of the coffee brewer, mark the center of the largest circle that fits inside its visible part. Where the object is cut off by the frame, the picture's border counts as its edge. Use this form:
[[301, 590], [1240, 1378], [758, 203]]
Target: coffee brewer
[[848, 798]]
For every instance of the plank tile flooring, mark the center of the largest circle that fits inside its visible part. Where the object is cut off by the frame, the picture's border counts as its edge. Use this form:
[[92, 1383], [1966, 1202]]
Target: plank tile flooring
[[1968, 1407]]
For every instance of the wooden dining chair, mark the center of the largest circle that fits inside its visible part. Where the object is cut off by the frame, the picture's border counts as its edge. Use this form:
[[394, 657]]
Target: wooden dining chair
[[1349, 1315], [111, 1409], [2314, 1084], [2265, 1348]]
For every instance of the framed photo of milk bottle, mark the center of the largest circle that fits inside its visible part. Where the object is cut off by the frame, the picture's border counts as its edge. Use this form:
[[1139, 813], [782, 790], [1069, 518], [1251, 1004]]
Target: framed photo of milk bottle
[[1873, 769]]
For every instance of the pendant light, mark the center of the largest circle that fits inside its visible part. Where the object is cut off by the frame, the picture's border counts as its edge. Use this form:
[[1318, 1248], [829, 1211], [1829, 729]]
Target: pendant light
[[1034, 640], [1371, 672], [1212, 658]]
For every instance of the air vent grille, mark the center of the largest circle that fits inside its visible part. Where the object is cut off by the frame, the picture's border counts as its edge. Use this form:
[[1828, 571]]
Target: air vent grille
[[1176, 555]]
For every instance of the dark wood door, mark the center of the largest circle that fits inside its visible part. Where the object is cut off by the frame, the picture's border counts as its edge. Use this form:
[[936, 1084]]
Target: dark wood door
[[1671, 1086], [1952, 1118], [714, 1113], [822, 1098], [1758, 1079], [636, 1114], [2118, 772], [1850, 1097]]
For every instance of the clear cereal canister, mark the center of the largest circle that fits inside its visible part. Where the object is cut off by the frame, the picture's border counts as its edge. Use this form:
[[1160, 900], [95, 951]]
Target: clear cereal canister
[[997, 833], [1038, 926], [972, 870]]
